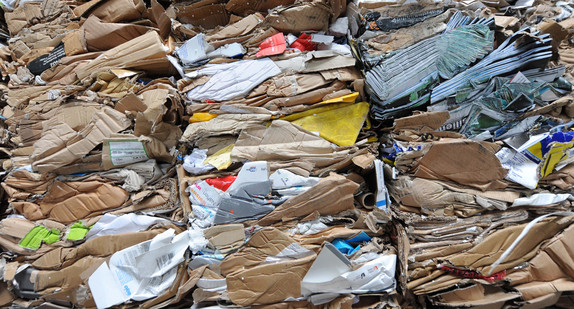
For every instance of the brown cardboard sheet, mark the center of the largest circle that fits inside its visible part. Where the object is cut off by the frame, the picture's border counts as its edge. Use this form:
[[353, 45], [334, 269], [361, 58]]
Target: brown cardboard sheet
[[330, 196], [251, 281], [483, 255], [462, 161], [68, 202], [243, 8], [242, 27], [101, 246], [145, 52], [101, 36], [283, 140], [476, 296], [226, 238], [222, 125], [162, 114], [550, 270], [61, 145], [208, 16], [302, 16], [112, 11]]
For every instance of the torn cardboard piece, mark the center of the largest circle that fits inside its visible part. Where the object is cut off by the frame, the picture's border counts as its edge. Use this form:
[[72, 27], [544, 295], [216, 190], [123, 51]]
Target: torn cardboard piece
[[112, 11], [496, 243], [162, 115], [68, 202], [274, 143], [102, 246], [146, 53], [222, 125], [266, 269], [475, 296], [101, 36], [464, 162], [300, 17], [330, 196], [61, 145]]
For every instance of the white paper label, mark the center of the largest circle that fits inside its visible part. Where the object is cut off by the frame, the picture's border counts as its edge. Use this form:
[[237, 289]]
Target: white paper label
[[140, 272], [382, 201], [127, 152], [521, 169]]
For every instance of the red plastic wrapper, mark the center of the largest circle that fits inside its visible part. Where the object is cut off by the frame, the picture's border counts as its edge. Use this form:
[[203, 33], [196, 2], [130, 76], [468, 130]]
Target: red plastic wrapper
[[303, 43], [221, 183], [471, 274], [274, 45]]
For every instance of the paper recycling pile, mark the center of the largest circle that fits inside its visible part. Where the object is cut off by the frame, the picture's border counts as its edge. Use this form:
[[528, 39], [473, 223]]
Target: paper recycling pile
[[286, 154]]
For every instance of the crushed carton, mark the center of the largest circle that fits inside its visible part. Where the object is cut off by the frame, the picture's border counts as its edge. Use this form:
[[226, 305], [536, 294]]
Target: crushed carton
[[286, 154]]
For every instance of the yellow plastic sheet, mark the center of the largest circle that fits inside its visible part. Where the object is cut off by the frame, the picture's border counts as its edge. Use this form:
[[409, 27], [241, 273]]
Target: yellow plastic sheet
[[339, 124], [314, 111], [221, 159], [200, 117], [348, 98], [331, 104]]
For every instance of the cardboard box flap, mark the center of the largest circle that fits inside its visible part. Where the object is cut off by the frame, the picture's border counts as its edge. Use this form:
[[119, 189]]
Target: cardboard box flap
[[15, 227], [75, 43], [429, 120], [420, 192], [20, 17], [102, 36], [532, 291], [65, 278], [161, 116], [130, 103], [207, 16], [328, 63], [222, 125], [225, 237], [112, 11], [328, 235], [144, 52], [547, 301], [53, 140], [554, 261], [159, 16], [5, 296], [77, 116], [283, 140]]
